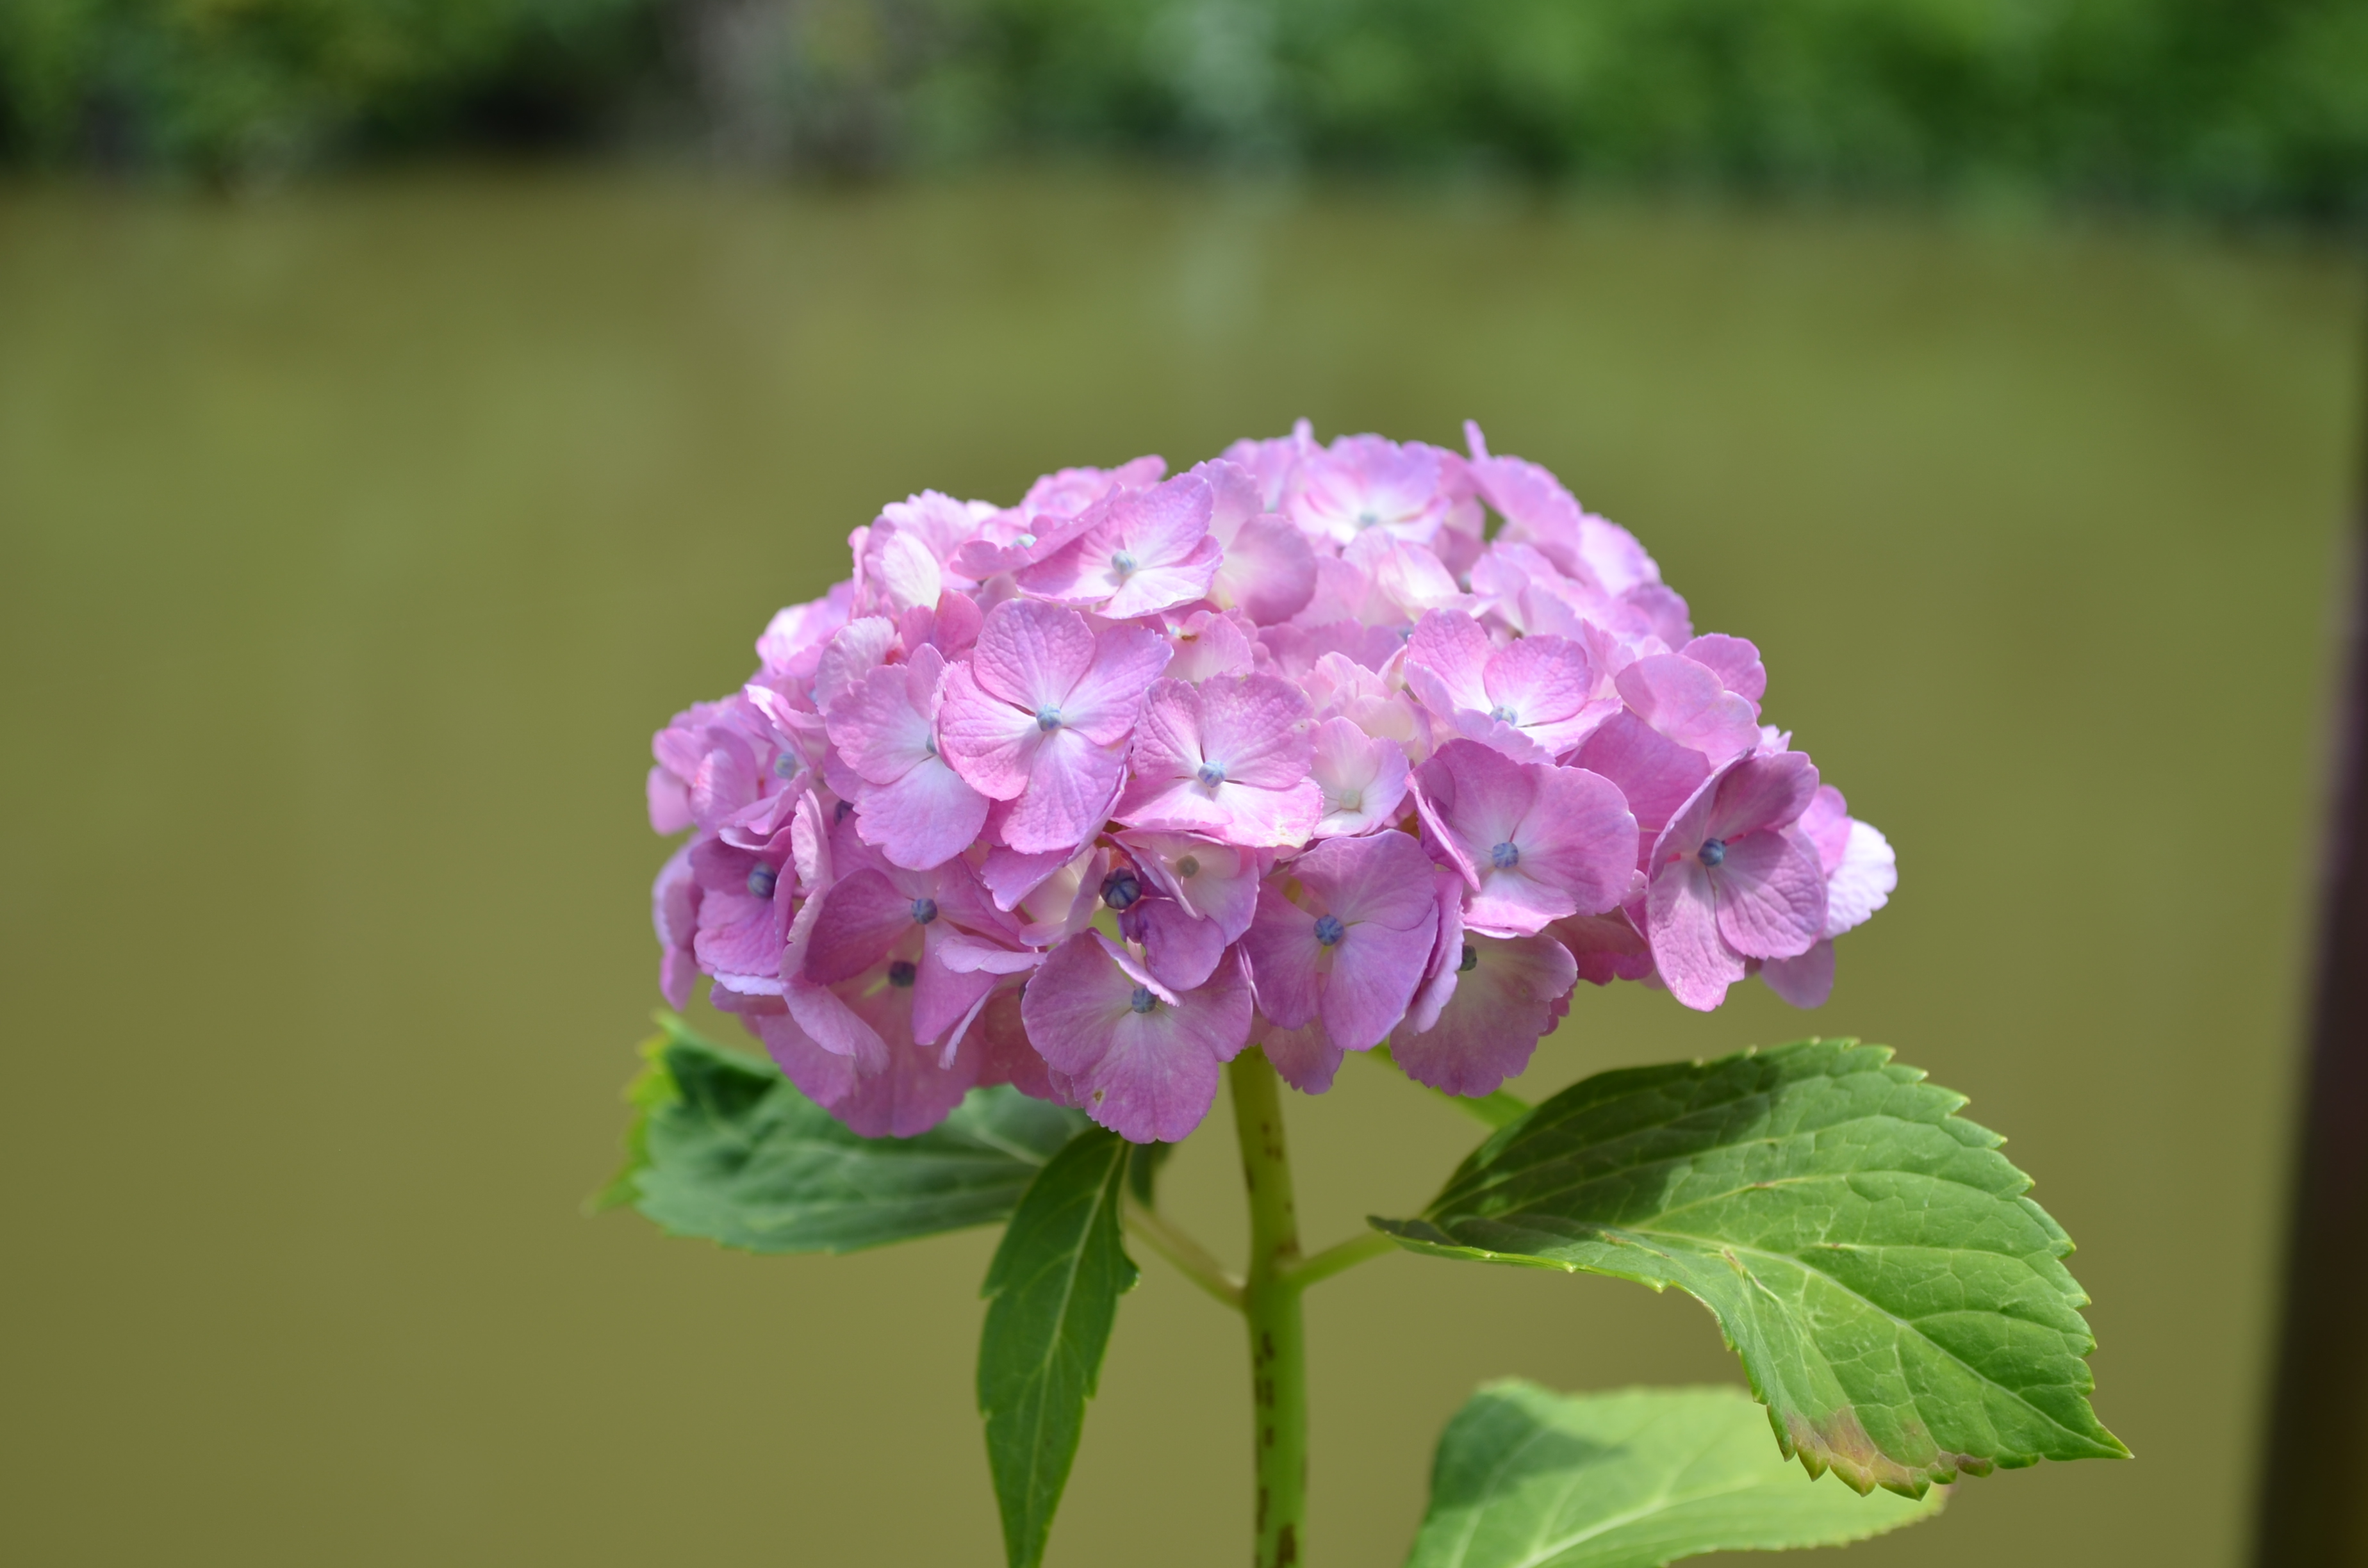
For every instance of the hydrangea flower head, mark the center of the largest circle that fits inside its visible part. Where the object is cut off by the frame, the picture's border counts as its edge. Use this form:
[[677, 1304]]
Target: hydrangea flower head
[[1307, 747]]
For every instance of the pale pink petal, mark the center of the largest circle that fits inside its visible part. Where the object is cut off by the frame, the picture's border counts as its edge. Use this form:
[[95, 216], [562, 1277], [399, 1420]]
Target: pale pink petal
[[831, 1024], [883, 725], [1363, 779], [1210, 645], [1862, 882], [669, 803], [853, 651], [1446, 954], [1508, 998], [826, 1077], [1212, 880]]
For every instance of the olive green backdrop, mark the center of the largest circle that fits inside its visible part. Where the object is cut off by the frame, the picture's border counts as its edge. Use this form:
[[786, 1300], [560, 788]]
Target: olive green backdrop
[[352, 543]]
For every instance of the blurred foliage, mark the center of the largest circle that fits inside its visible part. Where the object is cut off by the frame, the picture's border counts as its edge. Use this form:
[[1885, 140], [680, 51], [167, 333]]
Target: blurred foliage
[[2232, 106]]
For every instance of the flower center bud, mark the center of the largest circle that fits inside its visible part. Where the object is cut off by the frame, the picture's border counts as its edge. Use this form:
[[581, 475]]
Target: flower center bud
[[1211, 774], [1048, 719], [1189, 867], [1328, 930], [786, 766], [1713, 850], [1504, 715], [901, 973], [1123, 564], [761, 878], [1120, 889], [924, 910], [1024, 541], [1471, 960], [1142, 1001], [838, 813], [1504, 855]]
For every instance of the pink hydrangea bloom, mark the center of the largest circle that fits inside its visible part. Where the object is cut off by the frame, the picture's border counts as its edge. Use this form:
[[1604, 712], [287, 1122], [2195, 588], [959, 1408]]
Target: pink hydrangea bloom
[[1083, 793]]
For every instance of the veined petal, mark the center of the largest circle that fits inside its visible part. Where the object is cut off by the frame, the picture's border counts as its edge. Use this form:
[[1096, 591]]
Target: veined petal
[[1772, 895]]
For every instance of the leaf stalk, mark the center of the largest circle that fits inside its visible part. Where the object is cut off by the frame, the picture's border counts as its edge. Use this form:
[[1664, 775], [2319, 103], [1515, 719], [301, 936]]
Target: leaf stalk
[[1191, 1259]]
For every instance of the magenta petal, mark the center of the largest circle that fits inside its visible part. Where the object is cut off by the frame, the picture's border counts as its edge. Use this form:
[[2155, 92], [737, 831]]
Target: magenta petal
[[1446, 955], [1733, 660], [1653, 772], [1374, 972], [1072, 784], [1502, 1005], [922, 820], [1688, 703], [1030, 654], [1765, 791], [1772, 895], [1607, 946], [989, 742], [826, 1077], [1145, 1074], [1107, 699]]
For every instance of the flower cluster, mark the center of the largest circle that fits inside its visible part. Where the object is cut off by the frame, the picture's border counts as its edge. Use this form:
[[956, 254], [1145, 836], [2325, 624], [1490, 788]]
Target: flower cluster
[[1313, 746]]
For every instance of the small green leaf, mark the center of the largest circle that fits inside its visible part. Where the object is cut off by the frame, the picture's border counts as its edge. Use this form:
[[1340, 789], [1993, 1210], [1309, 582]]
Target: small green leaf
[[723, 1146], [1053, 1290], [1526, 1478], [1899, 1305]]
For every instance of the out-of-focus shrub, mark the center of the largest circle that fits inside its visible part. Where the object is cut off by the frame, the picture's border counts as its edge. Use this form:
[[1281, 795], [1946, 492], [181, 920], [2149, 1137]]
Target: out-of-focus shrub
[[2227, 105]]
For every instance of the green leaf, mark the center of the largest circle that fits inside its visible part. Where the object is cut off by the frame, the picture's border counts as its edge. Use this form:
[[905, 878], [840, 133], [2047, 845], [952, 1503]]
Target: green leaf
[[724, 1147], [1899, 1305], [1526, 1478], [1053, 1290]]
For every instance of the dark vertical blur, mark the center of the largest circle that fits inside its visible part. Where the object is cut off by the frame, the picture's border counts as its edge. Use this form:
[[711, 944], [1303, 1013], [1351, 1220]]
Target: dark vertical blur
[[2310, 1510]]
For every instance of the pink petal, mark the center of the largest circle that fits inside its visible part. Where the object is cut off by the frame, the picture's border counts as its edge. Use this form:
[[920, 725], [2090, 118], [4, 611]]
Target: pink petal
[[1253, 727], [923, 819], [1772, 895], [863, 915], [1211, 879], [1306, 1057], [1148, 1075], [853, 651], [832, 1024], [1488, 1029], [1104, 703], [669, 803], [1446, 954], [1363, 779], [883, 725], [1693, 959], [1766, 791], [990, 742], [1735, 660], [1606, 947], [1374, 972], [1686, 702], [1072, 784], [1806, 980], [1269, 571], [1179, 950], [1446, 658], [1655, 774], [1030, 655]]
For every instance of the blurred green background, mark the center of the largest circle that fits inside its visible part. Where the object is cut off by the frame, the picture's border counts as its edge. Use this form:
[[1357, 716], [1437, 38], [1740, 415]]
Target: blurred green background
[[2234, 107], [352, 541]]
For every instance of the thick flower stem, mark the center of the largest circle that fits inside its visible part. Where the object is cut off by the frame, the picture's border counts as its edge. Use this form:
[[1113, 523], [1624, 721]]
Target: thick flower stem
[[1278, 1336]]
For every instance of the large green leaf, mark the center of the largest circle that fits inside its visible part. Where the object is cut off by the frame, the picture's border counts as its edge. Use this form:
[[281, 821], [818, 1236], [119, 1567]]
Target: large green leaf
[[723, 1146], [1900, 1306], [1053, 1290], [1526, 1478]]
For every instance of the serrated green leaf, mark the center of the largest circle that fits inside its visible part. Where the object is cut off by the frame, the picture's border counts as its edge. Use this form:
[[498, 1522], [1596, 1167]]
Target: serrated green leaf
[[724, 1147], [1527, 1478], [1053, 1293], [1899, 1305]]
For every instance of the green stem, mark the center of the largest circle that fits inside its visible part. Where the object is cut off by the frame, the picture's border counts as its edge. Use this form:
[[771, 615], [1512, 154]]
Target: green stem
[[1190, 1258], [1340, 1255], [1270, 1300]]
